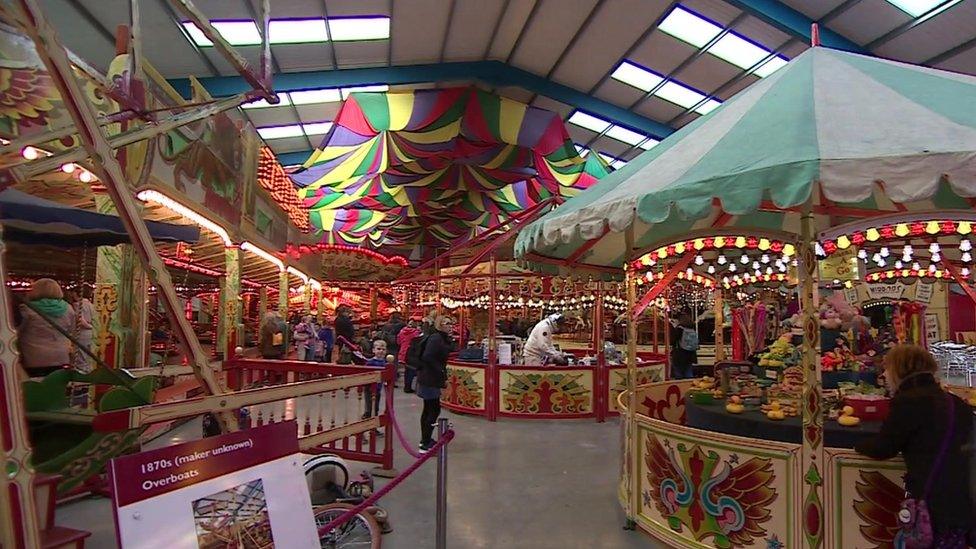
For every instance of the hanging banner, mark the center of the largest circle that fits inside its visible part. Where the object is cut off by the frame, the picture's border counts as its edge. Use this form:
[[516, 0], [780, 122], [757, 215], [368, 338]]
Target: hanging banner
[[931, 327], [923, 292], [242, 489], [840, 266], [886, 291], [850, 295]]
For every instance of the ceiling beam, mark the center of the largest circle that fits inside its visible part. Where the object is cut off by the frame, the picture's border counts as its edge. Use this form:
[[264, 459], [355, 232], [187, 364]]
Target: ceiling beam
[[794, 23], [494, 73]]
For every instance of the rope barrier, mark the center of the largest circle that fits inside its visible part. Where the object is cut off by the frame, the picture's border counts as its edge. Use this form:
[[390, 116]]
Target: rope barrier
[[434, 450]]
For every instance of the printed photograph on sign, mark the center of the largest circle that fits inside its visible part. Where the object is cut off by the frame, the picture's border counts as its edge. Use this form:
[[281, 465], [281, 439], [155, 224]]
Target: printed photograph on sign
[[237, 517]]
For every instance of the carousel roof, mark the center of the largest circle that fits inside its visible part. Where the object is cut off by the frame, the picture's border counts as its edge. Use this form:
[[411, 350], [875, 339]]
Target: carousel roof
[[849, 129], [432, 167]]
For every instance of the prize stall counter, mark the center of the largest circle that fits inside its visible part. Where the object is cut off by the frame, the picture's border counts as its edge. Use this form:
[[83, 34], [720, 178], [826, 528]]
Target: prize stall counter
[[698, 486], [542, 392]]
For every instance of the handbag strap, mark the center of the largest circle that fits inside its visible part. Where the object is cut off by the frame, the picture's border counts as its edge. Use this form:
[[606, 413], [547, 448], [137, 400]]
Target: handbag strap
[[946, 439]]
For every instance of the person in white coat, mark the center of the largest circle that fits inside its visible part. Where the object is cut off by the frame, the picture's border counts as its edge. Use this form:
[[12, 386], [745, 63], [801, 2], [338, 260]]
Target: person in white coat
[[538, 347]]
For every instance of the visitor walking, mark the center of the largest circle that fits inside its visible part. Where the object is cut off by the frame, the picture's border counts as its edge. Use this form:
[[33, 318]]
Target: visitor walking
[[327, 337], [304, 335], [43, 349], [270, 340], [684, 347], [345, 334], [932, 430], [432, 377], [407, 334]]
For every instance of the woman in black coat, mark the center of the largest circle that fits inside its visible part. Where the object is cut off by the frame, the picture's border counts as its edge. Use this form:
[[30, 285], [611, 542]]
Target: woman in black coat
[[915, 427], [682, 360], [432, 377]]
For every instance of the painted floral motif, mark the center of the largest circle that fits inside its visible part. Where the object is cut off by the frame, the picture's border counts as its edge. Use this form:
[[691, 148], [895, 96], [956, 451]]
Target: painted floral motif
[[880, 500], [463, 389], [671, 408], [550, 393], [646, 374], [722, 500]]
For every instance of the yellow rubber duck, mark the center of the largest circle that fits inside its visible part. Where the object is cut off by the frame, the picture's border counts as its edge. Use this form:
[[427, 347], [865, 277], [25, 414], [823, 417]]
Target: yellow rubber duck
[[775, 412], [735, 406], [847, 417]]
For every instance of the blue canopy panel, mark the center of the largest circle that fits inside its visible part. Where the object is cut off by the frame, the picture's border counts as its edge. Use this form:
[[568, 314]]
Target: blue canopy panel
[[31, 220]]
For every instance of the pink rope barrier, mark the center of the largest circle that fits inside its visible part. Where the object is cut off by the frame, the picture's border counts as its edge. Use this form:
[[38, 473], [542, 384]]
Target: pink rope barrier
[[434, 450]]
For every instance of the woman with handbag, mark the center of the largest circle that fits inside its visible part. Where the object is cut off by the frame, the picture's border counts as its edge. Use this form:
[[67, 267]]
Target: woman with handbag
[[929, 427]]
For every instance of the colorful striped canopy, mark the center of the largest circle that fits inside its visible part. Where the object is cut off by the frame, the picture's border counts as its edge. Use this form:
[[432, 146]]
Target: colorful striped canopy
[[432, 167], [855, 133]]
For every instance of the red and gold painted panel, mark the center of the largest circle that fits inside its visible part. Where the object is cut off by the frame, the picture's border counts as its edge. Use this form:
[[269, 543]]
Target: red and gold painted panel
[[546, 392], [651, 373], [465, 388], [865, 496]]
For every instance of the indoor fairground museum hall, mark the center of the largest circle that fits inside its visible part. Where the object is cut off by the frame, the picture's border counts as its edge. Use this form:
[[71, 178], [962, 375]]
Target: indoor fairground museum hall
[[488, 274]]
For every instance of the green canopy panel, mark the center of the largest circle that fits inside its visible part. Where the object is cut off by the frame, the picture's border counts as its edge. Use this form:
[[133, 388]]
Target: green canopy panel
[[850, 131]]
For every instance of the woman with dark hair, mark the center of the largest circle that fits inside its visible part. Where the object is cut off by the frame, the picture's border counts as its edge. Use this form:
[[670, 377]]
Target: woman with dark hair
[[930, 428], [432, 376], [684, 347], [345, 334]]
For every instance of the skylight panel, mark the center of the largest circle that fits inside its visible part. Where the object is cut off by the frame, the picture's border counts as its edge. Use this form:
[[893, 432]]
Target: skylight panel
[[236, 33], [689, 27], [738, 51], [317, 128], [589, 122], [648, 144], [707, 106], [771, 66], [359, 28], [297, 31], [308, 97], [582, 151], [679, 95], [358, 89], [616, 163], [915, 8], [280, 132], [636, 76], [262, 104], [625, 135]]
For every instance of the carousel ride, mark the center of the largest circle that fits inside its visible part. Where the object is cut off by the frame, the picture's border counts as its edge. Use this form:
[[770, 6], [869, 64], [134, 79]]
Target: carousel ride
[[837, 198]]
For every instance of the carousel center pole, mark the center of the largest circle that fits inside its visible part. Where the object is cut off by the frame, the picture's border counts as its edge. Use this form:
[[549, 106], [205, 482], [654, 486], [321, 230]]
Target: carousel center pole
[[719, 323], [812, 451], [491, 381], [631, 427]]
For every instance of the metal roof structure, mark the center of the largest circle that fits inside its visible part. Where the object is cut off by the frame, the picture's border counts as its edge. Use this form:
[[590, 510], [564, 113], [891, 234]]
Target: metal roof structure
[[623, 73]]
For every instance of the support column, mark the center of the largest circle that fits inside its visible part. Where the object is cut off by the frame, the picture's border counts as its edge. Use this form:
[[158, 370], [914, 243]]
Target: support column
[[283, 294], [812, 451], [598, 326], [121, 292], [492, 379], [229, 322], [262, 303], [719, 323], [630, 432], [19, 524]]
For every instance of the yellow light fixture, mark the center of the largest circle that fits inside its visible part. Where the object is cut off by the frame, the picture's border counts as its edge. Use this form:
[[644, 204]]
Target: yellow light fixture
[[163, 200]]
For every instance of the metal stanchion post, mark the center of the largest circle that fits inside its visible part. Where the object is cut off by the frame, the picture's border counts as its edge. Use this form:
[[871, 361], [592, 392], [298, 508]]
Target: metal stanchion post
[[442, 427]]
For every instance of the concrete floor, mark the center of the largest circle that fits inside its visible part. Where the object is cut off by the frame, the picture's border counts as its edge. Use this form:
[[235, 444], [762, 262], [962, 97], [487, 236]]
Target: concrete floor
[[512, 484]]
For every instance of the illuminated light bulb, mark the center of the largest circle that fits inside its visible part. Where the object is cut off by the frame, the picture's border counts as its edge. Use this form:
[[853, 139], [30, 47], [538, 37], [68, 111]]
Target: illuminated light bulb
[[732, 267], [769, 270], [764, 258], [967, 257], [906, 258], [818, 249], [764, 244], [936, 258], [862, 254], [872, 234], [688, 272], [711, 269], [899, 264], [755, 265], [848, 284], [30, 153], [85, 176], [721, 260], [964, 271], [916, 266], [884, 251], [902, 229], [876, 257], [843, 242], [932, 227], [931, 267], [744, 259], [740, 241], [782, 268], [699, 260], [964, 227], [68, 168], [882, 262], [965, 246], [725, 280], [934, 247]]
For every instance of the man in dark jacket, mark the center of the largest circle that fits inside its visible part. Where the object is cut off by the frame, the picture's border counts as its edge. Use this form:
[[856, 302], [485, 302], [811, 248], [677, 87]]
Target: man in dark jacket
[[390, 333], [432, 377], [345, 334]]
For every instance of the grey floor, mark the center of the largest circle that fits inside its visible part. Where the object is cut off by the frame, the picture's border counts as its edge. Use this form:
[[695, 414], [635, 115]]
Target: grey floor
[[512, 484]]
